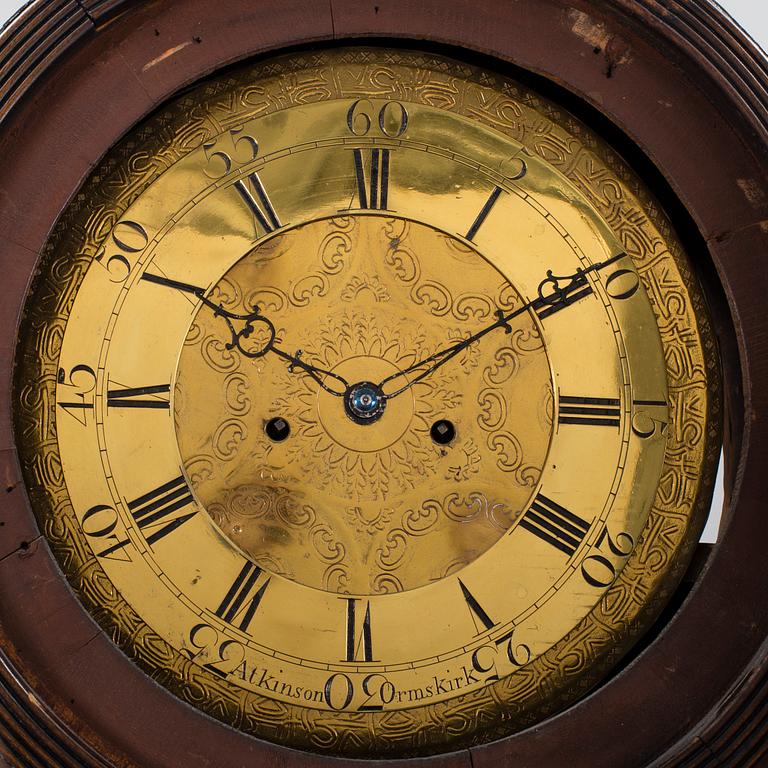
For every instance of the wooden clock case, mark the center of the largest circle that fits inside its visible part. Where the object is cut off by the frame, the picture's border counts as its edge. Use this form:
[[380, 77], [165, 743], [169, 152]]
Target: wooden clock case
[[682, 91]]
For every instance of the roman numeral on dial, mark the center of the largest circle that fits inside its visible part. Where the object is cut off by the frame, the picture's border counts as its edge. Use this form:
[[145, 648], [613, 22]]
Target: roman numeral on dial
[[156, 396], [154, 511], [483, 215], [555, 525], [481, 619], [359, 646], [241, 602], [596, 411], [372, 194], [259, 203]]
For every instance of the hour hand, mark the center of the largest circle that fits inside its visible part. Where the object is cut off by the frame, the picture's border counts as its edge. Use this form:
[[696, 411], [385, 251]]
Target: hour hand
[[558, 292], [553, 294]]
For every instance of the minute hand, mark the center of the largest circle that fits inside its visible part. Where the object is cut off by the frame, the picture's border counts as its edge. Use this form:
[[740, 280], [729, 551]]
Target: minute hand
[[553, 294], [252, 350]]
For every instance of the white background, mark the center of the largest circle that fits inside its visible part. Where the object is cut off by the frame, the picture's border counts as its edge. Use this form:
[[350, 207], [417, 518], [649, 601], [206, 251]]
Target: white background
[[753, 17]]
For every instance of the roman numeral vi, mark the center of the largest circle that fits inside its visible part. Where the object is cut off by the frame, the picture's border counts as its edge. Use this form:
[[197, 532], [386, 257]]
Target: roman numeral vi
[[359, 643]]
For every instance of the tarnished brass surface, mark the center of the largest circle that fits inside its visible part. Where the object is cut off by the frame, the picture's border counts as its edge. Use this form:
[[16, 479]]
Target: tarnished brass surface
[[358, 588], [332, 507]]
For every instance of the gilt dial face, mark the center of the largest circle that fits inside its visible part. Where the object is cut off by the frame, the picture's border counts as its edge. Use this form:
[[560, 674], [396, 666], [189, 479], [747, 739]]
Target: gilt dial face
[[366, 400]]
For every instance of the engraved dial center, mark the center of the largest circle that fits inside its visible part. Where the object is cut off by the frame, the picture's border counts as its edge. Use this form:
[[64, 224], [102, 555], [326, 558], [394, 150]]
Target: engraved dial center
[[359, 497], [365, 402], [358, 421]]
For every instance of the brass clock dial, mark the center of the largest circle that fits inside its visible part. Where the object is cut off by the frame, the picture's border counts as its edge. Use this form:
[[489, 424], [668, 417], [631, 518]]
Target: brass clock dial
[[344, 504], [380, 402]]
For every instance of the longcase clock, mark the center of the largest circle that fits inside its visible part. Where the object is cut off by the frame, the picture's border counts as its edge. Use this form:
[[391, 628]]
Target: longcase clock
[[367, 371]]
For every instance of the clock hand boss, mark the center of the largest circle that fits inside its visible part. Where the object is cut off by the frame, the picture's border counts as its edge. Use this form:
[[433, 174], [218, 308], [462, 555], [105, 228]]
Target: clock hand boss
[[550, 295], [248, 320]]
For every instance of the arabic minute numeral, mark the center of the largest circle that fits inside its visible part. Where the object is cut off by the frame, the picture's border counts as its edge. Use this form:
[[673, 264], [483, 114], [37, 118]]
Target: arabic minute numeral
[[622, 284], [207, 649], [518, 654], [80, 385], [596, 569], [650, 419], [485, 658], [100, 522], [126, 240], [391, 119], [377, 691], [339, 688], [229, 150]]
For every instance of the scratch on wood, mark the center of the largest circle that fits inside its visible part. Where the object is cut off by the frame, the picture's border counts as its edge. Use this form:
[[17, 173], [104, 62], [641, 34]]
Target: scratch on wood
[[614, 49], [588, 29], [167, 54], [728, 234], [89, 640], [752, 191]]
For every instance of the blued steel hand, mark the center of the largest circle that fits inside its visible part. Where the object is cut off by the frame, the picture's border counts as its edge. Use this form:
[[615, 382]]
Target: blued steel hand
[[249, 322], [551, 297]]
